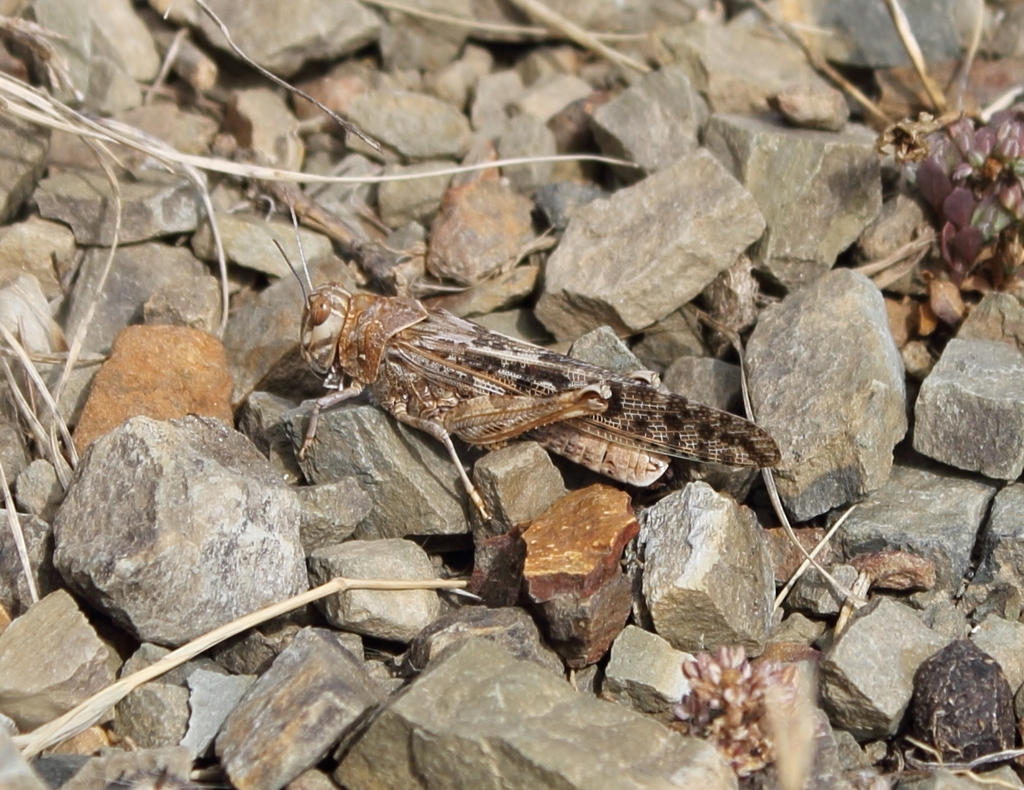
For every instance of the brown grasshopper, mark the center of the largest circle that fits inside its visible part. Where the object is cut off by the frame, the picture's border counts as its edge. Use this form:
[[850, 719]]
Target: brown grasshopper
[[451, 377]]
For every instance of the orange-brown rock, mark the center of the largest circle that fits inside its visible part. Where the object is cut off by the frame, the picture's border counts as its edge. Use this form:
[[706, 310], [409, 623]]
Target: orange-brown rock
[[161, 372], [786, 557]]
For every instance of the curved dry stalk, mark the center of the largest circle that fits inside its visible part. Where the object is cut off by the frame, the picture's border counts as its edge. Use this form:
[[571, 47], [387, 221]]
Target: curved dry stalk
[[802, 569], [19, 537], [38, 431], [91, 710], [906, 34], [537, 10]]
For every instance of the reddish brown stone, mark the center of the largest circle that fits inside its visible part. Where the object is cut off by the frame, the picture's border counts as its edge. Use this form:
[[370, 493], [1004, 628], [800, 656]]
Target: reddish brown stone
[[896, 570], [162, 372], [572, 570], [498, 568], [786, 557], [482, 227]]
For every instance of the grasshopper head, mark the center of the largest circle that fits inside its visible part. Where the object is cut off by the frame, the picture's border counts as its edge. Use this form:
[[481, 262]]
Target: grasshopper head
[[323, 319]]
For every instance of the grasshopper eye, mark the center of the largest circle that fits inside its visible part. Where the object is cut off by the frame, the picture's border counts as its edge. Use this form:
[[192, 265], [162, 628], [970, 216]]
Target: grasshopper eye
[[319, 309]]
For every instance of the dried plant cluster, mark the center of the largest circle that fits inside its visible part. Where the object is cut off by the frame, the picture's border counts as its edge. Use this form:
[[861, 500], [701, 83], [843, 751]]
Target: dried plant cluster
[[727, 704]]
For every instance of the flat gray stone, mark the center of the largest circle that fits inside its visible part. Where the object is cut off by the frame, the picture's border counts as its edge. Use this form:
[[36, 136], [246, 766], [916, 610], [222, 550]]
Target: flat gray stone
[[331, 512], [298, 709], [397, 615], [706, 380], [707, 576], [518, 482], [1003, 557], [402, 202], [408, 475], [1004, 641], [153, 204], [998, 316], [153, 715], [645, 672], [929, 512], [816, 190], [653, 122], [526, 135], [173, 528], [835, 408], [604, 348], [260, 420], [50, 660], [38, 490], [38, 536], [647, 250], [249, 242], [212, 696], [491, 98], [814, 594], [867, 678], [549, 95], [970, 411], [480, 718], [413, 124]]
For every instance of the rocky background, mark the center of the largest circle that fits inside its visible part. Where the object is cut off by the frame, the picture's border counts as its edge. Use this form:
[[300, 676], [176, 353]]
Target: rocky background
[[619, 638]]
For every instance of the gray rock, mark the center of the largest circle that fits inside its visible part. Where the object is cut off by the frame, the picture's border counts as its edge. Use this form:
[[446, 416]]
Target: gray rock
[[510, 627], [153, 204], [414, 125], [517, 483], [453, 82], [23, 149], [50, 660], [331, 512], [676, 335], [932, 513], [172, 764], [128, 36], [137, 273], [867, 678], [645, 672], [519, 726], [195, 303], [817, 191], [526, 136], [402, 202], [652, 123], [798, 629], [15, 772], [173, 528], [260, 420], [386, 614], [736, 69], [212, 696], [836, 444], [298, 709], [812, 108], [560, 200], [706, 380], [38, 536], [604, 348], [707, 577], [249, 241], [262, 122], [38, 491], [1004, 641], [549, 95], [814, 594], [997, 316], [33, 247], [894, 227], [153, 715], [408, 475], [1003, 550], [970, 411], [411, 42], [493, 94], [282, 37], [254, 652], [649, 249], [13, 453]]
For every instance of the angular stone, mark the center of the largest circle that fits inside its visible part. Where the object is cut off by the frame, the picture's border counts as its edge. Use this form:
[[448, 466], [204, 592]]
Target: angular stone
[[736, 68], [153, 715], [260, 420], [648, 250], [1003, 551], [137, 273], [509, 626], [402, 202], [196, 304], [549, 95], [527, 136], [867, 677], [249, 241], [261, 121], [602, 347], [560, 200], [415, 125], [491, 98], [173, 763], [517, 483], [652, 123], [212, 696], [676, 335], [786, 557], [15, 597], [645, 672], [817, 191], [706, 380], [50, 660], [117, 21], [707, 577], [33, 247], [282, 37], [482, 229], [895, 226], [814, 594], [929, 512], [22, 160], [498, 563], [812, 107], [161, 372], [153, 204], [497, 293], [385, 614], [1003, 640], [331, 512], [572, 570], [836, 447], [970, 411], [997, 316], [201, 529], [298, 709], [410, 41], [13, 453], [518, 725], [410, 478], [38, 490]]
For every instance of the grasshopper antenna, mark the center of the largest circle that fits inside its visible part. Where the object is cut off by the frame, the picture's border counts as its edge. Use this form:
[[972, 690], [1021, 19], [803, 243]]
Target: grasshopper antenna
[[291, 268], [298, 244]]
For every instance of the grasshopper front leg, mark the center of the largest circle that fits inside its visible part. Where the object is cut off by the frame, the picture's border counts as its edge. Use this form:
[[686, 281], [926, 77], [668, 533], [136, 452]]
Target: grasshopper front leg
[[325, 402]]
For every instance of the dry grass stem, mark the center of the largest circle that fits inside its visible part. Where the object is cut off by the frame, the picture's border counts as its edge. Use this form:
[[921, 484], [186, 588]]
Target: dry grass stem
[[36, 38], [91, 710], [38, 431], [165, 66], [959, 83], [537, 10], [906, 34], [802, 569], [19, 537]]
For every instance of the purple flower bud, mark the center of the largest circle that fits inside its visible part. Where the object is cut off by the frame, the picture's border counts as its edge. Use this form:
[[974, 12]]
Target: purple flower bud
[[1011, 197], [965, 170], [984, 141], [962, 133], [959, 206]]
